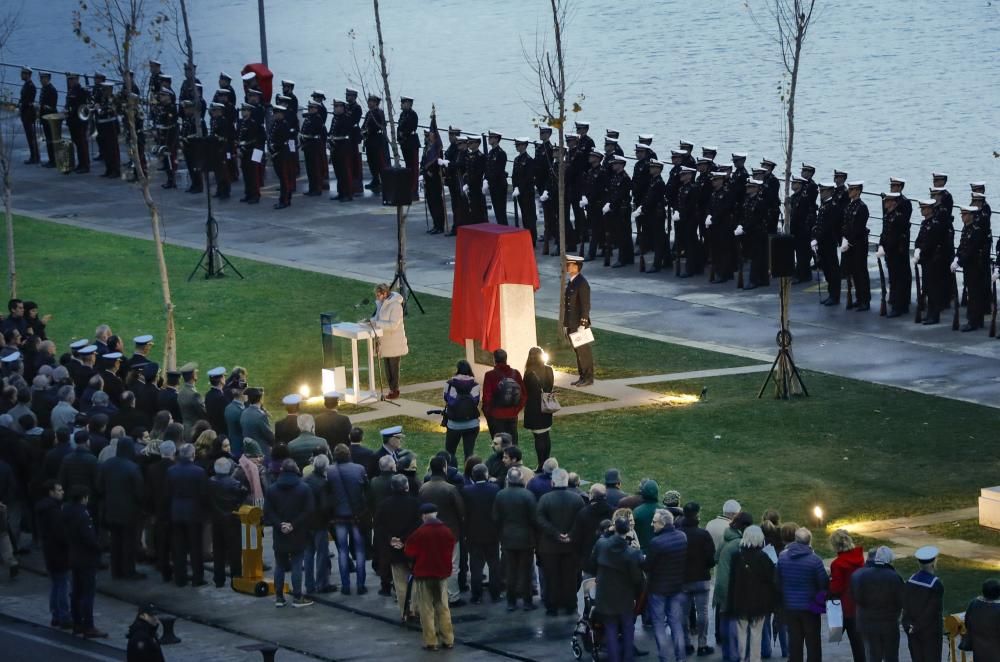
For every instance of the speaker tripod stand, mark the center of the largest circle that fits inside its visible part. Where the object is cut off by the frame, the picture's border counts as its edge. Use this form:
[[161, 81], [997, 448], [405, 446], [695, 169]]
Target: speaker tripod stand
[[783, 371], [399, 279], [212, 260]]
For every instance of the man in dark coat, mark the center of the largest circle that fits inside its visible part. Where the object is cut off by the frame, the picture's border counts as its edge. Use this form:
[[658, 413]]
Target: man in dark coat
[[226, 495], [481, 533], [576, 302], [317, 552], [982, 622], [395, 519], [894, 247], [79, 467], [450, 510], [347, 485], [331, 424], [84, 559], [120, 482], [288, 506], [362, 454], [619, 583], [167, 397], [854, 246], [556, 514], [801, 577], [187, 492], [878, 594], [128, 416], [923, 615], [585, 527], [699, 560], [288, 428], [51, 529], [143, 644], [666, 552], [215, 400], [514, 511]]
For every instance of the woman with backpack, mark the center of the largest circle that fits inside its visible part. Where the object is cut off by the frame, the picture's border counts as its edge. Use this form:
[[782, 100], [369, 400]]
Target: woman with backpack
[[538, 381], [461, 397]]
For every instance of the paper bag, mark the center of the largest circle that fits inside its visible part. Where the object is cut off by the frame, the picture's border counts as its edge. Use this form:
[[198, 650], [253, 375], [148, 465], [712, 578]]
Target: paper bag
[[835, 620]]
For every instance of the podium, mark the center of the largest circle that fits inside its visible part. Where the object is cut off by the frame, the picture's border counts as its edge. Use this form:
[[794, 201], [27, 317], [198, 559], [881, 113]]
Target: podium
[[335, 374]]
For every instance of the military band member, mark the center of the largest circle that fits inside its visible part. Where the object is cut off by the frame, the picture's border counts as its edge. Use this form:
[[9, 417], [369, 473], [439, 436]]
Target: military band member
[[452, 179], [189, 91], [320, 97], [496, 177], [221, 136], [653, 211], [687, 224], [108, 128], [475, 183], [345, 136], [811, 189], [840, 197], [432, 169], [710, 153], [576, 313], [616, 209], [95, 98], [258, 112], [409, 143], [76, 98], [973, 257], [737, 185], [456, 176], [523, 180], [167, 135], [854, 246], [576, 184], [281, 147], [250, 140], [586, 142], [592, 201], [940, 181], [48, 103], [193, 152], [826, 240], [933, 253], [312, 135], [373, 130], [923, 610], [802, 221], [641, 180], [894, 247], [29, 115], [543, 162], [647, 140], [355, 113], [752, 233], [979, 200], [719, 228]]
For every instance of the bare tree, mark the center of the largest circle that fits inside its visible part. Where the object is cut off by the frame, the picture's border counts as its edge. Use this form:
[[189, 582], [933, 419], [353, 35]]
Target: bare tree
[[384, 70], [8, 24], [121, 29], [550, 70]]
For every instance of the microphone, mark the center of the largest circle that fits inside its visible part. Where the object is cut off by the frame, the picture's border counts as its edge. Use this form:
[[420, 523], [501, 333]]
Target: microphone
[[363, 302]]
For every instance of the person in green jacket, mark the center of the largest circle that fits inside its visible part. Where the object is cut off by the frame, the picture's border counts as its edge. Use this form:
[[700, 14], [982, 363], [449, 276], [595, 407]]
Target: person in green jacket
[[650, 493], [720, 597]]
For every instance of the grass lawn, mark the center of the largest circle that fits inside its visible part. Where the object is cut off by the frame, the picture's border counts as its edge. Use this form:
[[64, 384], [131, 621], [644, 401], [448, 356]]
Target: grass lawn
[[968, 530]]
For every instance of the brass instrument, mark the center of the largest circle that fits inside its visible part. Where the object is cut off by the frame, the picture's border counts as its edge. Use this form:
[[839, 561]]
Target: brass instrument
[[62, 148], [85, 111]]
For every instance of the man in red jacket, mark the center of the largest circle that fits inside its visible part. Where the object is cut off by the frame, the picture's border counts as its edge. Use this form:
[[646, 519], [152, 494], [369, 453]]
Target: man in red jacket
[[430, 547], [501, 404]]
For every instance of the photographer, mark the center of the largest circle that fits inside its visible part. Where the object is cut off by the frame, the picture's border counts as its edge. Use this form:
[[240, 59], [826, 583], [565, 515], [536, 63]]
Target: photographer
[[389, 317], [461, 397]]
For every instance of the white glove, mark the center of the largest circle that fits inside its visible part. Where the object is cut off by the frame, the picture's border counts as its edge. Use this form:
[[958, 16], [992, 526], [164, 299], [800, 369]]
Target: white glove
[[517, 192], [465, 188], [676, 217], [606, 208], [738, 231], [844, 245], [708, 221], [916, 255], [954, 265], [584, 202], [880, 252], [486, 188], [996, 275], [814, 245], [637, 213], [443, 162], [544, 197]]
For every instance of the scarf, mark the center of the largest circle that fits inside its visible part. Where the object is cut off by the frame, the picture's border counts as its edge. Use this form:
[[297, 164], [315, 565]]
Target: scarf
[[252, 473]]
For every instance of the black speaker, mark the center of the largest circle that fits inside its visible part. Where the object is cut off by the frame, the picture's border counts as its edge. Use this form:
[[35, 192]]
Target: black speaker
[[782, 256], [396, 188]]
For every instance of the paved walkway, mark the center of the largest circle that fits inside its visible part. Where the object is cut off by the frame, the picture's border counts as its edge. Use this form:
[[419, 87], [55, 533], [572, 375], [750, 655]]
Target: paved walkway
[[358, 240]]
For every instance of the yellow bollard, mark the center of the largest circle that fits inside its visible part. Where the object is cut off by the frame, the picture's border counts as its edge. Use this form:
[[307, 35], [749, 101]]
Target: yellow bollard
[[252, 581], [954, 625]]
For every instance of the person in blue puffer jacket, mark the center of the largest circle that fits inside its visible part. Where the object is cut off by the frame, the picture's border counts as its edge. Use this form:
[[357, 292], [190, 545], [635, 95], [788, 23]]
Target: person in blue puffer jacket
[[803, 581]]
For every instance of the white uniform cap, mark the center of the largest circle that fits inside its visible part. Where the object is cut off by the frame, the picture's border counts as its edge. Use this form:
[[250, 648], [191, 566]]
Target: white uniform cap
[[808, 166], [926, 554], [288, 82], [143, 340], [642, 146], [938, 189], [926, 203], [646, 136], [706, 148], [79, 344], [389, 432], [333, 395], [216, 372], [653, 163], [939, 175], [739, 155], [971, 210], [291, 399], [687, 169], [897, 180], [574, 258], [827, 185], [977, 184], [892, 196], [522, 140], [619, 159], [857, 183], [112, 356], [755, 182], [12, 357], [248, 75], [89, 349]]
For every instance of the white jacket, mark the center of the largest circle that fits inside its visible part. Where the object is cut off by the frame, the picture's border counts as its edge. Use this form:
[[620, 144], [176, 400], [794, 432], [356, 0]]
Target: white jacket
[[389, 318]]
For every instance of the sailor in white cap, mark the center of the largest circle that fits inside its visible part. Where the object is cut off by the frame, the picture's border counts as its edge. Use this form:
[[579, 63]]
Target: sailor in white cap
[[973, 256], [641, 180], [522, 178], [934, 241], [894, 247], [923, 608], [854, 247], [654, 216], [281, 146], [143, 347], [392, 442], [616, 208], [940, 181], [27, 111], [824, 242], [576, 316], [288, 428], [586, 145], [215, 400], [803, 216], [688, 147], [331, 424], [495, 181]]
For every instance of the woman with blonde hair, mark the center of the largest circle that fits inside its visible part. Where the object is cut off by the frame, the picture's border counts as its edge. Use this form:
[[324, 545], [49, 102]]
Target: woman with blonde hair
[[753, 592], [850, 558]]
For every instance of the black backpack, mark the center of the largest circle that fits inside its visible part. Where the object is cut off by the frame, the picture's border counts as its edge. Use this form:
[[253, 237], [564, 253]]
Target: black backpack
[[464, 408], [507, 393]]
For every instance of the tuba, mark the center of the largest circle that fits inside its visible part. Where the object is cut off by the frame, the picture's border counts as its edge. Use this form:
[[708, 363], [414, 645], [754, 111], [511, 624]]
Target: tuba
[[85, 111], [55, 124]]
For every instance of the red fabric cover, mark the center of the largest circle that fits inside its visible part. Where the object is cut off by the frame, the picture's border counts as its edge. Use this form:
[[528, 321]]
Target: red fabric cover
[[264, 78], [430, 547], [841, 569], [490, 382], [486, 257]]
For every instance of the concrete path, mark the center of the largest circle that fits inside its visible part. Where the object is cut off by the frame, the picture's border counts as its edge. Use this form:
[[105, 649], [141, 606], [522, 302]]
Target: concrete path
[[907, 537], [358, 240]]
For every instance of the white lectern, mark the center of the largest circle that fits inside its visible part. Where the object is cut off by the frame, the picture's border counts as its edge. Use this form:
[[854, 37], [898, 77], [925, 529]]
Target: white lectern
[[335, 379]]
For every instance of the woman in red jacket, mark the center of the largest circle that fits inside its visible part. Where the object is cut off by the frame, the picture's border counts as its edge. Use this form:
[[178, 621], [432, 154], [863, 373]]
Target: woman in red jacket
[[849, 558]]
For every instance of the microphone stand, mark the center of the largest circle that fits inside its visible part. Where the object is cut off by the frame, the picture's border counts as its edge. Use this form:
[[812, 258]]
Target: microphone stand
[[378, 362]]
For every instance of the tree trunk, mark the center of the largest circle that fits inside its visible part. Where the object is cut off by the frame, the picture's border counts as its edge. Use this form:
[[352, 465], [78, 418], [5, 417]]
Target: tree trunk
[[385, 87], [9, 219], [561, 100], [791, 127]]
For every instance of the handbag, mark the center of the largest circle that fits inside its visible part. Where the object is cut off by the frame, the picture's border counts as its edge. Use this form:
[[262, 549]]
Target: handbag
[[550, 403], [835, 620]]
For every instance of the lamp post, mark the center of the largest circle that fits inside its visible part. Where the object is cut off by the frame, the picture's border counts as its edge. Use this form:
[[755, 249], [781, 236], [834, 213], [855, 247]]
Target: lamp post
[[263, 32]]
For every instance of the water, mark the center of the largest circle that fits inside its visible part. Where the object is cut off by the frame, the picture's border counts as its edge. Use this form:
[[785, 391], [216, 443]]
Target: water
[[888, 87]]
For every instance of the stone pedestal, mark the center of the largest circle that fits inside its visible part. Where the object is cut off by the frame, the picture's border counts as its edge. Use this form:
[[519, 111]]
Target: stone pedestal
[[989, 507]]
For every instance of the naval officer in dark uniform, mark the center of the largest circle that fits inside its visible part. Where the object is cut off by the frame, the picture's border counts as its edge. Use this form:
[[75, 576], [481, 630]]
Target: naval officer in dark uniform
[[922, 609], [576, 314]]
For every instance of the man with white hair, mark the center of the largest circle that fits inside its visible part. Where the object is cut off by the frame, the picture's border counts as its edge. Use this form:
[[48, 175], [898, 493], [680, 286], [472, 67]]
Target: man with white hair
[[664, 566], [717, 527], [514, 514], [801, 577], [226, 495], [64, 413], [187, 491], [541, 483], [878, 594], [307, 444], [317, 558], [557, 512]]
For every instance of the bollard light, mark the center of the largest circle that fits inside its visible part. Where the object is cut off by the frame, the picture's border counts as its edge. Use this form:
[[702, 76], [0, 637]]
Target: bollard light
[[304, 391]]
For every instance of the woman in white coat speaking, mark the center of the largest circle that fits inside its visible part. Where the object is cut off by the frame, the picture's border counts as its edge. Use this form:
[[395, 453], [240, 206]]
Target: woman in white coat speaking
[[389, 317]]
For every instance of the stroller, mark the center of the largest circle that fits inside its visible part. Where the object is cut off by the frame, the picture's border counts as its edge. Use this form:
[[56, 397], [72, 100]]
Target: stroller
[[588, 636]]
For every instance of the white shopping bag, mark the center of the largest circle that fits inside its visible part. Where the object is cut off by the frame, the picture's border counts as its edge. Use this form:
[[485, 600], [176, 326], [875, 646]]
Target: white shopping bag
[[835, 620], [581, 336]]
